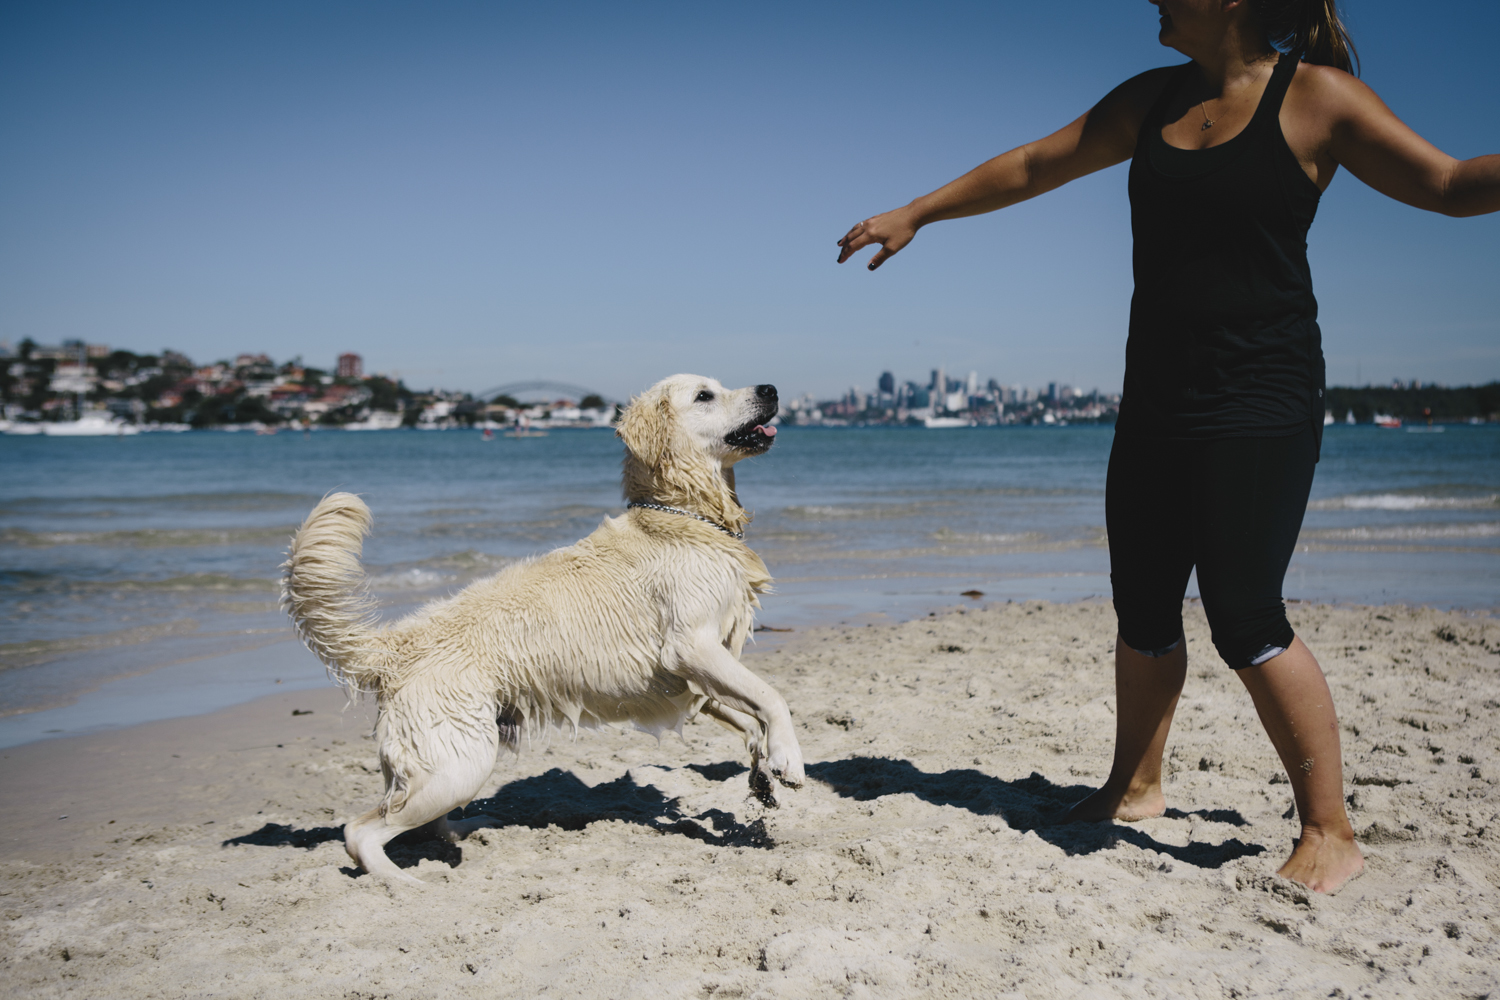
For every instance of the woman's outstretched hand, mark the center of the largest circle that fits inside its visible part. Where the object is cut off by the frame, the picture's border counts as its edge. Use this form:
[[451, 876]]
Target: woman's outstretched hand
[[892, 230]]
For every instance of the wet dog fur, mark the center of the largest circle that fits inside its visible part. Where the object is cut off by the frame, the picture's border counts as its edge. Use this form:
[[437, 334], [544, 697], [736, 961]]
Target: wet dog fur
[[642, 622]]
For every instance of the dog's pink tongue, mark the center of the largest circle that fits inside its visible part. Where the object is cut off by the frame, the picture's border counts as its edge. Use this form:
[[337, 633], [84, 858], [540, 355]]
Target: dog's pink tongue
[[769, 432]]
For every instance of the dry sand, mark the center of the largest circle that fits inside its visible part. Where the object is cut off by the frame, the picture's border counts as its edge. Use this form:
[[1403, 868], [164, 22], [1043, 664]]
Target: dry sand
[[916, 862]]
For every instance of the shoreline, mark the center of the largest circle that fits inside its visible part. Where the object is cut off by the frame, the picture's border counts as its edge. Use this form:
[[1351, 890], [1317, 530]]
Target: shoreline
[[918, 859], [162, 692], [155, 772]]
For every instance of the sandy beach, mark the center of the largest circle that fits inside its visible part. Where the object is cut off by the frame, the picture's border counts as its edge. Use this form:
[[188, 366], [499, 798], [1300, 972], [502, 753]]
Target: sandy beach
[[202, 856]]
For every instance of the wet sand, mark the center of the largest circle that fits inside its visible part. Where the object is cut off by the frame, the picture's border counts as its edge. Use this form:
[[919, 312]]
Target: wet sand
[[917, 861]]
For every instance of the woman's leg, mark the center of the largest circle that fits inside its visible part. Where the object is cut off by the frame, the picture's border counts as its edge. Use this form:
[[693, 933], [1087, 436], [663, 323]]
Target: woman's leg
[[1146, 693], [1150, 558], [1254, 496], [1296, 707]]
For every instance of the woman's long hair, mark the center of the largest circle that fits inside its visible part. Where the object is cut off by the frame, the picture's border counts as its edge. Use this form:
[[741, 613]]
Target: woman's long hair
[[1310, 29]]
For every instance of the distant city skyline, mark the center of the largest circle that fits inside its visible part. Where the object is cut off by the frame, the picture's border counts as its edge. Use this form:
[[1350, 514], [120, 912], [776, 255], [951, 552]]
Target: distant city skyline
[[350, 364], [472, 194], [80, 388]]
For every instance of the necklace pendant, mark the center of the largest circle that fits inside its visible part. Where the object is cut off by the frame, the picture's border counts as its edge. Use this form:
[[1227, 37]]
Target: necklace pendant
[[1205, 126]]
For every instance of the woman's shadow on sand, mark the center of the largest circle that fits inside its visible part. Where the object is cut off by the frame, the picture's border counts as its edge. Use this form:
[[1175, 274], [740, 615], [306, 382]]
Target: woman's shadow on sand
[[1032, 803], [559, 798]]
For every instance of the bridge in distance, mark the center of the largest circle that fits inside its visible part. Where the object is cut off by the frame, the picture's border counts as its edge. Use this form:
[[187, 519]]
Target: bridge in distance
[[540, 391]]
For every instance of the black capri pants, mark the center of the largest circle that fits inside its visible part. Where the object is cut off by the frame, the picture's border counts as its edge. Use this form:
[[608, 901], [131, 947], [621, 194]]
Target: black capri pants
[[1232, 507]]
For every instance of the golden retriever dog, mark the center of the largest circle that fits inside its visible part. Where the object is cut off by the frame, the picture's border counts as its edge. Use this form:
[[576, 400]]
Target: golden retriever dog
[[641, 622]]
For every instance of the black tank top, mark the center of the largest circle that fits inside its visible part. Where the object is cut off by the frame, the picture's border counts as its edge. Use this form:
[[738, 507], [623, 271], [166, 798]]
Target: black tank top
[[1224, 339]]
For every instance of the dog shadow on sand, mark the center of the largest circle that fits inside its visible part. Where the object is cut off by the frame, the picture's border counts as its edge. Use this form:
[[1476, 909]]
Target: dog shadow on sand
[[555, 798], [1032, 803], [558, 798]]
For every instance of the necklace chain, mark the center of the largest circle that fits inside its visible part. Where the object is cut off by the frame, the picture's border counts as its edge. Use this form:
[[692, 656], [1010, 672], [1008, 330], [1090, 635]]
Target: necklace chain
[[1208, 122], [686, 513]]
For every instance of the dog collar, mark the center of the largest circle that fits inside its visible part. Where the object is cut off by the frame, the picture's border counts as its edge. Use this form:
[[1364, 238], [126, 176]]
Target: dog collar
[[686, 513]]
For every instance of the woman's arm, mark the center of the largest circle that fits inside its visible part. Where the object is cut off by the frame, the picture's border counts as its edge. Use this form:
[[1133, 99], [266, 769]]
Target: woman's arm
[[1104, 136], [1380, 149]]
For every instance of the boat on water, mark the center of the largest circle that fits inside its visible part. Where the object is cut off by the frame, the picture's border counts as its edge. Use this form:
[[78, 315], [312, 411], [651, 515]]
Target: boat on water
[[942, 423], [1386, 420], [378, 420], [522, 429], [91, 424], [1431, 428]]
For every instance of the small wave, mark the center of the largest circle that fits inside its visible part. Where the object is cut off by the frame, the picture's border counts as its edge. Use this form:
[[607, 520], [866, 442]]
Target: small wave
[[788, 536], [1025, 492], [437, 571], [569, 518], [409, 579], [467, 561], [466, 529], [801, 556], [950, 536], [1406, 501], [148, 537], [884, 511], [246, 607], [1406, 532], [33, 582], [29, 654], [254, 500]]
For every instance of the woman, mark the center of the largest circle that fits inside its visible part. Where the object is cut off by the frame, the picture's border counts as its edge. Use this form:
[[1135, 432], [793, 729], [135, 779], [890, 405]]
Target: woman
[[1222, 412]]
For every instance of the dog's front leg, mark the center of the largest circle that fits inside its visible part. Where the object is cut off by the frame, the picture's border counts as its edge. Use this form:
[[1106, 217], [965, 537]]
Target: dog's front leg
[[706, 662], [740, 723]]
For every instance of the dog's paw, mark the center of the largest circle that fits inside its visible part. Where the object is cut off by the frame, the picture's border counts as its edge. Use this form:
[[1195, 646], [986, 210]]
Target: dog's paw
[[396, 877], [787, 767], [458, 829], [763, 785]]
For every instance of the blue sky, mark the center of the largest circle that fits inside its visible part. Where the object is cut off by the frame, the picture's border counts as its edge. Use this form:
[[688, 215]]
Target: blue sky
[[476, 193]]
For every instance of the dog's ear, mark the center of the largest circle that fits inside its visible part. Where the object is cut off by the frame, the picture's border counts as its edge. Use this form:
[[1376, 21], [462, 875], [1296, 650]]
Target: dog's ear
[[648, 427]]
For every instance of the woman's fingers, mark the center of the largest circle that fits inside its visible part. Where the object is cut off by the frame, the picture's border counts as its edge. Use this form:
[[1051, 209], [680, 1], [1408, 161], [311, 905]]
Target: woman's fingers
[[887, 230], [854, 240]]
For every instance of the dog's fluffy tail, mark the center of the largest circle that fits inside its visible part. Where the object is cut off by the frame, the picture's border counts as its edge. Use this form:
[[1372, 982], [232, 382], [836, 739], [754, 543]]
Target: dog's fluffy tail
[[322, 588]]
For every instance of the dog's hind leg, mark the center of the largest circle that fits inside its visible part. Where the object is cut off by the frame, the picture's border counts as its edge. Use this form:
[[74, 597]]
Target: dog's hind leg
[[466, 759], [508, 726]]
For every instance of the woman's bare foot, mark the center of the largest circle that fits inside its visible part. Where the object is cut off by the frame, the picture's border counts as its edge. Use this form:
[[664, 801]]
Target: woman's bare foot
[[1323, 862], [1107, 804]]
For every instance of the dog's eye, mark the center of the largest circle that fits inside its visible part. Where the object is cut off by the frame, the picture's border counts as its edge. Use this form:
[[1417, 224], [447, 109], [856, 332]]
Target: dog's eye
[[704, 397]]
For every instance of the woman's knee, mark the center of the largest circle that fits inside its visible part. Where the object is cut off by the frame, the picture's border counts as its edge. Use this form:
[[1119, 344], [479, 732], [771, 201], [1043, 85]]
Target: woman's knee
[[1151, 627], [1249, 636]]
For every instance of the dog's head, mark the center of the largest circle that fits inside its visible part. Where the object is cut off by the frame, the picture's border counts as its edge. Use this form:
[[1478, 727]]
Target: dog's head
[[684, 434]]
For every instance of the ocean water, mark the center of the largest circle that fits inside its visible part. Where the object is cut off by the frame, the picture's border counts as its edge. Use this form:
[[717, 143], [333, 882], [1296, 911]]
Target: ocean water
[[137, 575]]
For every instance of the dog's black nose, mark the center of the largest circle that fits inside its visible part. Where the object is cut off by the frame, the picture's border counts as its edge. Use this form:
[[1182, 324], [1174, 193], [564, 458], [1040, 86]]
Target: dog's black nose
[[766, 392]]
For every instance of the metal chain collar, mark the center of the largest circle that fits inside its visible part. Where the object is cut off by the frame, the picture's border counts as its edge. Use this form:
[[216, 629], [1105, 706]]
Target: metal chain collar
[[687, 513]]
